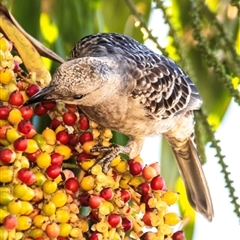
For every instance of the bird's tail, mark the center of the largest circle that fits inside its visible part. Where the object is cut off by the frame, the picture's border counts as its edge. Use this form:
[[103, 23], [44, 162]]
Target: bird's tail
[[193, 176]]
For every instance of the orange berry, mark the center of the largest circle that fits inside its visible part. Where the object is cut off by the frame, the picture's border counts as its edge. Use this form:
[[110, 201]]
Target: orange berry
[[87, 146]]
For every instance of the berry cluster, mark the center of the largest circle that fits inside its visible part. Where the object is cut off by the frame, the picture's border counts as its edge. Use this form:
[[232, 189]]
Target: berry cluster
[[51, 186]]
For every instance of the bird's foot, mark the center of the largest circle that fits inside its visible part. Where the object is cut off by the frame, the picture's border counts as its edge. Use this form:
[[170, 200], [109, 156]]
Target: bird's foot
[[109, 153]]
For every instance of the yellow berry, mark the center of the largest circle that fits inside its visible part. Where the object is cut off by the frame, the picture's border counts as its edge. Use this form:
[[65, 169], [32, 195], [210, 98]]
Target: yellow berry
[[6, 174], [49, 135], [59, 198], [43, 159], [87, 183], [12, 134], [32, 146], [64, 150], [4, 44], [170, 197], [171, 219], [122, 167], [24, 223], [14, 116], [6, 76], [4, 94]]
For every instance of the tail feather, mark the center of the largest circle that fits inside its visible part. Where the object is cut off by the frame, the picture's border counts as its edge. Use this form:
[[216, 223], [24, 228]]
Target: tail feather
[[193, 177]]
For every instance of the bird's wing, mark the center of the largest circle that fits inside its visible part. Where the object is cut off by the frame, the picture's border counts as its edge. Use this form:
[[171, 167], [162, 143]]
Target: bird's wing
[[163, 88]]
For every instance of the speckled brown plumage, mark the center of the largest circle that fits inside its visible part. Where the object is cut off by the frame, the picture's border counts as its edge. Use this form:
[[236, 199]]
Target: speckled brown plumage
[[121, 84]]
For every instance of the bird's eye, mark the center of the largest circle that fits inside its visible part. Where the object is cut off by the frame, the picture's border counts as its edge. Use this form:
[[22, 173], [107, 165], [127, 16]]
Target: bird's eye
[[79, 96]]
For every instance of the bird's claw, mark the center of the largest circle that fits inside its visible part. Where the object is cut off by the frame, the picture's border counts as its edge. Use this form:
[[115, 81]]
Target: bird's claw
[[110, 153]]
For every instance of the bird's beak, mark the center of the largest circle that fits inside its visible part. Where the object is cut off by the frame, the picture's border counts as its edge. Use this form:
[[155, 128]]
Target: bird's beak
[[41, 96]]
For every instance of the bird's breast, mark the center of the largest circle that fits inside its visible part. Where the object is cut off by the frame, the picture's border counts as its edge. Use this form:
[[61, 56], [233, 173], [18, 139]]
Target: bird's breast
[[128, 117]]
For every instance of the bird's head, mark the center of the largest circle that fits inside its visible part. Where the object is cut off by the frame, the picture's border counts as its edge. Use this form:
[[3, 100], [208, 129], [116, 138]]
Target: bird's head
[[75, 82]]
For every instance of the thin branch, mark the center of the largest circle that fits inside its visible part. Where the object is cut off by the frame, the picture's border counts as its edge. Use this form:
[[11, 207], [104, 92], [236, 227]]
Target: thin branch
[[142, 24]]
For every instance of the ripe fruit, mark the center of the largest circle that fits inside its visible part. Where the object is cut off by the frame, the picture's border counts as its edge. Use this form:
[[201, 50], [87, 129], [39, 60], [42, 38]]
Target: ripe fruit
[[135, 168], [95, 201], [43, 160], [32, 89], [26, 176], [71, 185], [59, 198], [85, 137], [4, 111], [24, 126], [179, 235], [16, 98], [62, 137], [125, 195], [170, 197], [69, 118], [83, 123], [24, 223], [7, 155], [171, 218], [39, 110], [27, 112], [53, 171], [6, 75], [127, 224], [10, 222], [52, 230], [49, 105], [56, 159], [14, 116], [6, 174], [158, 183], [114, 220], [106, 193], [148, 173], [20, 144]]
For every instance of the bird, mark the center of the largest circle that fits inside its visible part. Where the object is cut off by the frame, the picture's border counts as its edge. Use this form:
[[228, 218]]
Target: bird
[[121, 84]]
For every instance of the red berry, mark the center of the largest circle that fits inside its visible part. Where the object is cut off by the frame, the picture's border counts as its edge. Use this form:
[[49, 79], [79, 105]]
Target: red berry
[[143, 188], [158, 183], [62, 137], [125, 195], [179, 235], [27, 112], [83, 156], [24, 126], [10, 222], [85, 137], [73, 139], [71, 185], [54, 123], [83, 123], [32, 89], [7, 155], [127, 224], [147, 218], [135, 168], [106, 193], [49, 105], [40, 110], [95, 201], [4, 111], [114, 220], [32, 156], [56, 159], [20, 144], [16, 98], [69, 118], [53, 171], [26, 176], [84, 199]]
